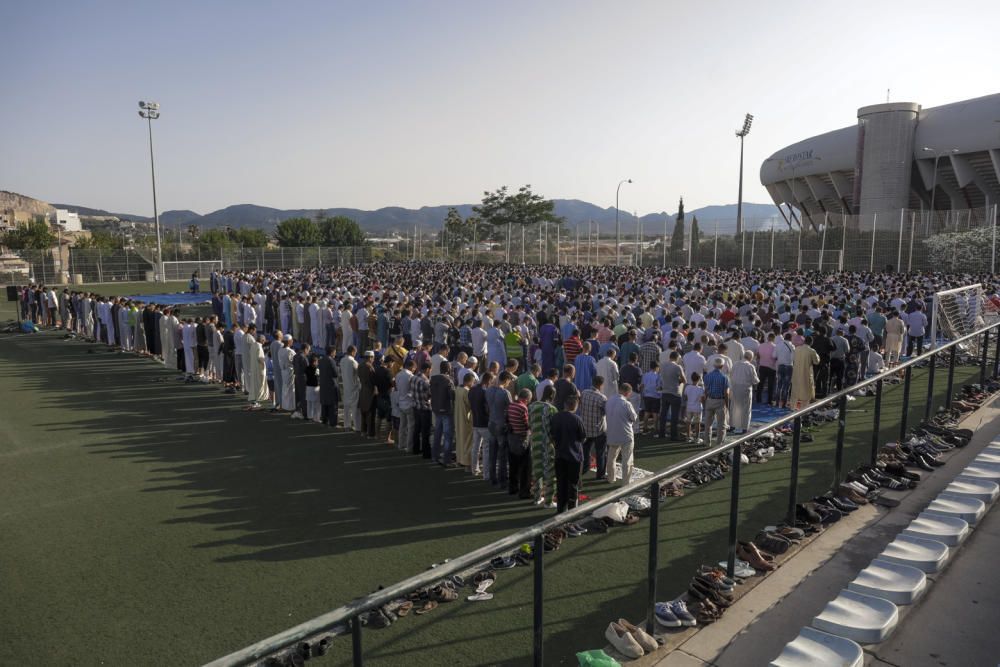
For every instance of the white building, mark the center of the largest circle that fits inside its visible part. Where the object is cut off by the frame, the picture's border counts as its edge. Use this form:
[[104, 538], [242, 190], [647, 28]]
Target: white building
[[68, 220]]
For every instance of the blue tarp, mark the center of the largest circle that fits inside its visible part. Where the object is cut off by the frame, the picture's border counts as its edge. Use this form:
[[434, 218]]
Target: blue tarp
[[176, 299]]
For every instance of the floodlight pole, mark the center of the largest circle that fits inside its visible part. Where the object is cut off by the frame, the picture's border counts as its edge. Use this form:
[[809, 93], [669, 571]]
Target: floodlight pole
[[741, 134], [618, 224], [150, 111]]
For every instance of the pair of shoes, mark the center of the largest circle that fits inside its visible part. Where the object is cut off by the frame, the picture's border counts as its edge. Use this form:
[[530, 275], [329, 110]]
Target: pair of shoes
[[674, 615], [575, 530], [757, 559], [628, 643], [741, 569]]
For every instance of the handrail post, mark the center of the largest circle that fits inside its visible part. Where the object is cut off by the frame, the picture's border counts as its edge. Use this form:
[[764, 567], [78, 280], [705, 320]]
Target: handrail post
[[951, 377], [734, 510], [654, 544], [996, 358], [877, 421], [841, 424], [907, 376], [539, 602], [356, 641], [793, 486], [982, 362], [930, 387]]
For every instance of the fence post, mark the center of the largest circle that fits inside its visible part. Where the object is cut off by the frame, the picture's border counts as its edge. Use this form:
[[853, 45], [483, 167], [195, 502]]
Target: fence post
[[907, 376], [982, 361], [930, 387], [538, 632], [951, 377], [839, 460], [734, 508], [654, 543], [877, 421], [100, 268], [356, 641], [793, 486]]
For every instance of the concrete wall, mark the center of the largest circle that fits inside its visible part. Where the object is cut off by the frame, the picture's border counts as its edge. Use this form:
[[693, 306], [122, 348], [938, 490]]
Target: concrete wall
[[887, 159]]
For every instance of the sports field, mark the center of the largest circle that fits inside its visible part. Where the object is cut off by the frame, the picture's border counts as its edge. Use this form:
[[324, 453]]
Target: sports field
[[147, 521]]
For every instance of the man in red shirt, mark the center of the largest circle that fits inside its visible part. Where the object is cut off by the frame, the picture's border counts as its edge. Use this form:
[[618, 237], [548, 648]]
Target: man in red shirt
[[572, 346], [518, 446]]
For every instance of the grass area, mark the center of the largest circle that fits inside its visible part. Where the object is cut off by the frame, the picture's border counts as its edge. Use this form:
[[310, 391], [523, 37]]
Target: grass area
[[156, 523]]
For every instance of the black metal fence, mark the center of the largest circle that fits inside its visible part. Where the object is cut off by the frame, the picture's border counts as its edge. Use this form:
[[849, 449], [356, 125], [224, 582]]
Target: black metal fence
[[351, 613]]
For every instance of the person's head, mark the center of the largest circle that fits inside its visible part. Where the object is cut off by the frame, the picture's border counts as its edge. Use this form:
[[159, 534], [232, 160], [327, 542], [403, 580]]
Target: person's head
[[569, 371], [486, 380], [571, 404], [552, 374], [748, 355], [536, 370], [695, 377], [306, 347], [425, 369], [548, 394], [445, 368], [625, 389], [467, 380], [369, 357], [409, 365], [505, 379], [351, 350], [655, 366], [524, 395], [718, 363], [598, 382]]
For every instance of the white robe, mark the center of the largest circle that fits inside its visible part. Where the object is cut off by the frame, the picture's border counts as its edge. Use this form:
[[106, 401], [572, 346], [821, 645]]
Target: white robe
[[742, 380], [167, 326], [349, 377], [255, 371], [346, 332], [189, 335], [287, 370], [607, 368]]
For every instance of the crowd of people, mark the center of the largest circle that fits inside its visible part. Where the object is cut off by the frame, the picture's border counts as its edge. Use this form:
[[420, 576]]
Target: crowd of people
[[526, 376]]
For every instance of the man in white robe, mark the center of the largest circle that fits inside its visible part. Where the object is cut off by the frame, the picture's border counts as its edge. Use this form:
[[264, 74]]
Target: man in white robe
[[167, 339], [287, 369], [607, 368], [276, 345], [742, 380], [189, 336], [349, 377], [254, 369], [315, 325], [240, 344]]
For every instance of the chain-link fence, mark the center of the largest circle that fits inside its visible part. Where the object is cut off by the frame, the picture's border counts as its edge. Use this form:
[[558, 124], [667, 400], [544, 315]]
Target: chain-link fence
[[93, 265]]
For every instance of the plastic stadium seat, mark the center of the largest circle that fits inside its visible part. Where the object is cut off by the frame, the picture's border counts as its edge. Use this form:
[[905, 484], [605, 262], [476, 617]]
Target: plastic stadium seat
[[980, 489], [965, 508], [982, 470], [990, 456], [899, 584], [813, 648], [925, 555], [858, 617], [945, 529]]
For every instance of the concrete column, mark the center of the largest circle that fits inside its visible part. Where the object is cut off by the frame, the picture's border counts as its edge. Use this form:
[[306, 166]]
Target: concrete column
[[887, 158]]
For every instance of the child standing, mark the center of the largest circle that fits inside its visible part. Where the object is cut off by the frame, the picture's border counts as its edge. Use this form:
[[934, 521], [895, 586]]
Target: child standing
[[694, 398]]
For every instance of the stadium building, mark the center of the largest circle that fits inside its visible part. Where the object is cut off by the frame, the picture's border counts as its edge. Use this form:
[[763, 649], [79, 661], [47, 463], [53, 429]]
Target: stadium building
[[897, 156]]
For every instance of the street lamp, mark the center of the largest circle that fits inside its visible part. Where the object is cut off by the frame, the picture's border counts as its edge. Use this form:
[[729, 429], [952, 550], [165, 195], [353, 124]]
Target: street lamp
[[937, 156], [741, 134], [151, 111], [618, 224]]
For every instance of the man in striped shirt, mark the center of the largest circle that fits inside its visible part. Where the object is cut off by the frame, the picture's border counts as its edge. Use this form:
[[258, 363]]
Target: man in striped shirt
[[518, 446], [572, 346]]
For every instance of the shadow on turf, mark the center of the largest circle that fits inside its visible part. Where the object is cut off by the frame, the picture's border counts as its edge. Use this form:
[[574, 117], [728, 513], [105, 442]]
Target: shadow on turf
[[278, 490]]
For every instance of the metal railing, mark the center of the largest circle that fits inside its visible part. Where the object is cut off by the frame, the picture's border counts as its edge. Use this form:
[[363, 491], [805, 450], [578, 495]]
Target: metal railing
[[351, 613]]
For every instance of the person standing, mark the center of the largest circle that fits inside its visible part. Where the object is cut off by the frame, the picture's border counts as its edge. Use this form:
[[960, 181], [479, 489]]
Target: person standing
[[495, 462], [716, 402], [803, 380], [479, 405], [349, 379], [275, 348], [256, 371], [916, 327], [286, 366], [784, 353], [607, 368], [671, 388], [743, 379], [540, 414], [463, 422], [519, 446], [894, 330], [443, 407], [621, 417], [366, 393], [405, 401], [300, 367], [420, 388], [593, 404], [768, 370], [567, 436], [328, 394]]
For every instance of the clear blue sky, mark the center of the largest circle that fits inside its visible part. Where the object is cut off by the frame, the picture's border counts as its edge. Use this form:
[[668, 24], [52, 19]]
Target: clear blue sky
[[369, 104]]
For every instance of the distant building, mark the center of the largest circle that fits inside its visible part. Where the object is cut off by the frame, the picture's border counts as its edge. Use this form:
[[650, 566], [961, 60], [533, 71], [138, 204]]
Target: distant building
[[896, 156], [11, 218], [69, 221]]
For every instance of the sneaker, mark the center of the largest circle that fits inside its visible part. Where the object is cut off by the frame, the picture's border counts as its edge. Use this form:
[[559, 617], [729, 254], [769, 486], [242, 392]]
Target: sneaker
[[682, 614], [623, 641], [665, 616]]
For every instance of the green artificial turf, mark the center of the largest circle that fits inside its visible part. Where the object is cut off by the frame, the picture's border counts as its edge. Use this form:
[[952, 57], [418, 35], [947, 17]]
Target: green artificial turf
[[156, 523]]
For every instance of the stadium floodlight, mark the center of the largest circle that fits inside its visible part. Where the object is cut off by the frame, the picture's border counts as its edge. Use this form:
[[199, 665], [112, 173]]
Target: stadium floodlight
[[937, 156], [618, 224], [150, 111], [741, 134]]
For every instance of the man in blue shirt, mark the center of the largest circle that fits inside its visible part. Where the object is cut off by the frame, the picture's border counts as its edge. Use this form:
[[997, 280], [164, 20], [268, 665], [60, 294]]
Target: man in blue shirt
[[716, 402]]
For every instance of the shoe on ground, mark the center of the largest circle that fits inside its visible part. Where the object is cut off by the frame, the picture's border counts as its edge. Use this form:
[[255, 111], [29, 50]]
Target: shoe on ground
[[682, 614], [665, 616], [623, 641], [644, 639]]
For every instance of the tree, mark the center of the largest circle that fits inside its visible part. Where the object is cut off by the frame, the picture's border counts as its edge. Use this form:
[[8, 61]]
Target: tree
[[36, 235], [677, 240], [100, 239], [457, 231], [297, 232], [339, 231], [249, 238], [695, 239], [500, 208]]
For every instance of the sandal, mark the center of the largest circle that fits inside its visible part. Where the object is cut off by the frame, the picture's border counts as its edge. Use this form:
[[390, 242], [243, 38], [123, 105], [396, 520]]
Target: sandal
[[427, 606]]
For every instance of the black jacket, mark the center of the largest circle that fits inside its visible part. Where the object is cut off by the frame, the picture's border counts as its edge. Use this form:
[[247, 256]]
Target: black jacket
[[442, 395], [328, 392], [480, 408]]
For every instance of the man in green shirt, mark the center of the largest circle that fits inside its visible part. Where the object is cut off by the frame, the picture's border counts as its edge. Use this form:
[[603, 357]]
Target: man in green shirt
[[529, 379]]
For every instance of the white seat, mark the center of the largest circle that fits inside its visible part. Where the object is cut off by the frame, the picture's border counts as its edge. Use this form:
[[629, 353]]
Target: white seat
[[925, 555], [813, 648], [899, 584], [993, 447], [991, 456], [858, 617], [966, 508], [980, 489], [945, 529], [982, 470]]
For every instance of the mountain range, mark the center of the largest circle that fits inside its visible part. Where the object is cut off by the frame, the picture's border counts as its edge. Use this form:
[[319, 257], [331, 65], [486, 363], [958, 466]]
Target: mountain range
[[395, 219]]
